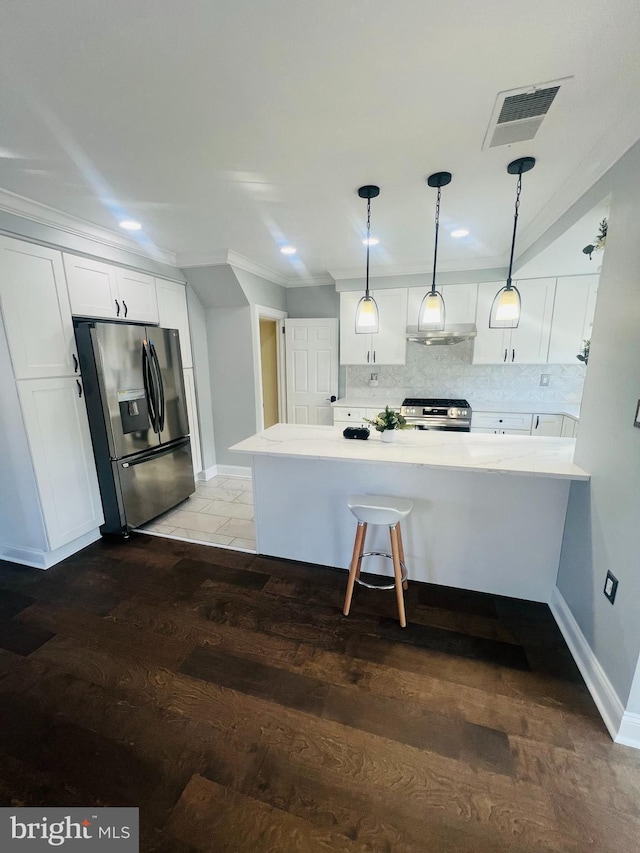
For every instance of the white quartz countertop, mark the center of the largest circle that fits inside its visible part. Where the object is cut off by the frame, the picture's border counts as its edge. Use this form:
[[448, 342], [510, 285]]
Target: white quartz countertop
[[503, 454], [570, 409]]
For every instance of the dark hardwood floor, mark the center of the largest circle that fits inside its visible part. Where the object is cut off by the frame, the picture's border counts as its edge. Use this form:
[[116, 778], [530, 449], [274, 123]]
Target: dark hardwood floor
[[227, 697]]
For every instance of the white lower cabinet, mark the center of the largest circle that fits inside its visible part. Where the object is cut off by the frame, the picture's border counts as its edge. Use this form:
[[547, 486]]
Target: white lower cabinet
[[569, 427], [550, 425], [55, 420], [192, 413], [501, 422]]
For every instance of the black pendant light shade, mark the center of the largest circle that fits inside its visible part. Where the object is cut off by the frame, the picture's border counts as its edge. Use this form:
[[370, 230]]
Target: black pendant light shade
[[367, 310], [505, 310], [431, 317]]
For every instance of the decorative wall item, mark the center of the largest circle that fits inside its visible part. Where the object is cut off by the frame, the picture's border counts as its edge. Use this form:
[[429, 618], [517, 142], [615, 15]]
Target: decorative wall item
[[600, 240]]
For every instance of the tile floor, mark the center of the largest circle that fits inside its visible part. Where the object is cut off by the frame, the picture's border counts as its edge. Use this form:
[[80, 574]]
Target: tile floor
[[220, 512]]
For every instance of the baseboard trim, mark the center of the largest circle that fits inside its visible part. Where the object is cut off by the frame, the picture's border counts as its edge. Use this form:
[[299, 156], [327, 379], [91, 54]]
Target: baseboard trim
[[607, 700], [234, 471], [46, 559], [207, 473], [629, 733]]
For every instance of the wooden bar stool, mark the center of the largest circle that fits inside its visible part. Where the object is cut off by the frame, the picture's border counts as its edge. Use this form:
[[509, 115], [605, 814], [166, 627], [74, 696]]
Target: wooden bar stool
[[377, 509]]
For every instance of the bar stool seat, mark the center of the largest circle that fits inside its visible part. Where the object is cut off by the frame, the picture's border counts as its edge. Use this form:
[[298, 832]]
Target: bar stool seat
[[379, 509]]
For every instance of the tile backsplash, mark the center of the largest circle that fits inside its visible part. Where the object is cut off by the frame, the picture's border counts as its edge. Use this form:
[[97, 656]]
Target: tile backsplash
[[446, 371]]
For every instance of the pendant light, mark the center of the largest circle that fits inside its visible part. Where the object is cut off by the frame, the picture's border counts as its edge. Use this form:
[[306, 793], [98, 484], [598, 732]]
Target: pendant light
[[505, 310], [367, 310], [432, 308]]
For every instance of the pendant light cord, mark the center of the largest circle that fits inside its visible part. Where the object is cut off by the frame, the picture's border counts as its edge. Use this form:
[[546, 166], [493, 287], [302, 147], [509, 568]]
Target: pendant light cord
[[366, 289], [435, 248], [515, 225]]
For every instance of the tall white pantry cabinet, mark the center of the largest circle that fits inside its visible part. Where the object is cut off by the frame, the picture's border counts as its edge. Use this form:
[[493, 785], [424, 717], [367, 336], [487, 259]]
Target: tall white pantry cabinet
[[50, 503], [46, 381]]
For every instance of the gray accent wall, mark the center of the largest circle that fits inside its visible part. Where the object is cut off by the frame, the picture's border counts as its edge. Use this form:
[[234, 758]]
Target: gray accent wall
[[602, 528], [320, 301], [228, 295], [232, 380]]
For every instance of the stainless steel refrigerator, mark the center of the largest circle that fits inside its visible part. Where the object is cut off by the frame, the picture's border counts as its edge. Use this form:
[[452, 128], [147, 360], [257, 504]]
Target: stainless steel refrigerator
[[134, 389]]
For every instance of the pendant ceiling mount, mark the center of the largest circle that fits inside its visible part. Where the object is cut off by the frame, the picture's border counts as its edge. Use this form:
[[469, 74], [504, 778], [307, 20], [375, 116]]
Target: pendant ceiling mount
[[521, 165], [370, 191], [439, 179]]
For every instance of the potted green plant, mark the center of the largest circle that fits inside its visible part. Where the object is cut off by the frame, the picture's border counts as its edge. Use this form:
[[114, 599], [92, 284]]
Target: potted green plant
[[387, 423]]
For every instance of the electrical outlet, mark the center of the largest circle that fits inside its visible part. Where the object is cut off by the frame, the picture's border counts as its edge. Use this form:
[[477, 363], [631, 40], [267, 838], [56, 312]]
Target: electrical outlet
[[545, 379], [610, 587]]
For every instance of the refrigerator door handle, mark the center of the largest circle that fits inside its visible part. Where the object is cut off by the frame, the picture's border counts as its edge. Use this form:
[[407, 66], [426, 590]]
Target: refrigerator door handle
[[159, 385], [149, 387], [155, 454]]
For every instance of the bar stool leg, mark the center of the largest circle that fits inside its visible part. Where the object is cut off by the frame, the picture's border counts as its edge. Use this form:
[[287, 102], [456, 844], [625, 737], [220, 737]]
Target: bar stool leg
[[405, 585], [397, 570], [356, 560]]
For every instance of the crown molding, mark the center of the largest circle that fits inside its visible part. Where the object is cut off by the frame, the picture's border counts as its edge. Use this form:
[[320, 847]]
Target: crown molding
[[43, 214], [616, 141], [235, 259], [420, 268]]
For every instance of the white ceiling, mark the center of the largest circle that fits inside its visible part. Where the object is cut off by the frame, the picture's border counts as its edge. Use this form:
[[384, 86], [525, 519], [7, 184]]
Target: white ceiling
[[240, 125]]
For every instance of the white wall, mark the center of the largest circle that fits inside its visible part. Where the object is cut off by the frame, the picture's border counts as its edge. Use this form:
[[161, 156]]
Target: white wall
[[602, 528]]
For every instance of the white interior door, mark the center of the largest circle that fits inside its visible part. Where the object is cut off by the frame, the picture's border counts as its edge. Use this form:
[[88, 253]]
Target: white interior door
[[312, 370]]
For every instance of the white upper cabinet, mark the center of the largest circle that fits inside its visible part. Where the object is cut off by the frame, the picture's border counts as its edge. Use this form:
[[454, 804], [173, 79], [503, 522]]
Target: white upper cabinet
[[172, 311], [100, 290], [36, 312], [137, 293], [573, 311], [460, 302], [389, 345], [93, 289], [529, 343]]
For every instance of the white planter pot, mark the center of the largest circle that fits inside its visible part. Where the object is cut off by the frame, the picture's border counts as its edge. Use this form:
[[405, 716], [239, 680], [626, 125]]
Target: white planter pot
[[389, 435]]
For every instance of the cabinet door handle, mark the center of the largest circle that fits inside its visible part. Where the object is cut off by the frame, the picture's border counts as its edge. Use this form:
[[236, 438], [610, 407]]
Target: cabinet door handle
[[537, 421], [513, 355], [505, 355], [117, 307], [75, 362], [374, 356], [126, 310], [79, 388], [368, 354]]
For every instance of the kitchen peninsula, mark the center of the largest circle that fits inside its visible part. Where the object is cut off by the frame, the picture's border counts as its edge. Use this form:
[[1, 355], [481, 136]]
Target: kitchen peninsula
[[488, 510]]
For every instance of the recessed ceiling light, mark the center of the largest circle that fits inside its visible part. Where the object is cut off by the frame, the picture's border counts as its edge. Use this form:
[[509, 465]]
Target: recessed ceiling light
[[370, 241], [460, 232], [288, 250], [130, 225]]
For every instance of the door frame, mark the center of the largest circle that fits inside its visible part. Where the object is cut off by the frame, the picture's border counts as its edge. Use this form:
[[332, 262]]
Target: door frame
[[258, 312]]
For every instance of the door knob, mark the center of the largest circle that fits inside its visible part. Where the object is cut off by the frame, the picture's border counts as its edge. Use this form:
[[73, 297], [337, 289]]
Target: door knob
[[331, 399]]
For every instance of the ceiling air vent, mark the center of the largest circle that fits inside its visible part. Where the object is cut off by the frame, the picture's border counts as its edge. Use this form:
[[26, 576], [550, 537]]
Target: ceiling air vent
[[518, 113]]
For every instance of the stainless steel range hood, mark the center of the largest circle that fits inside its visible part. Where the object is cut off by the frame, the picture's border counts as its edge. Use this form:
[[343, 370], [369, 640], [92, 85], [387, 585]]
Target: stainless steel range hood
[[455, 333]]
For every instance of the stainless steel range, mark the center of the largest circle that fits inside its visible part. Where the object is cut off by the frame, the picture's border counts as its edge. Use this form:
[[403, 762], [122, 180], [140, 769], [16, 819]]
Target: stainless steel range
[[437, 413]]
